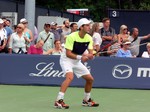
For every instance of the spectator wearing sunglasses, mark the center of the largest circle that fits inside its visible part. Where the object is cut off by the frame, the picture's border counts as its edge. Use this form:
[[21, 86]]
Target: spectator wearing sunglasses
[[123, 33], [17, 43], [124, 51]]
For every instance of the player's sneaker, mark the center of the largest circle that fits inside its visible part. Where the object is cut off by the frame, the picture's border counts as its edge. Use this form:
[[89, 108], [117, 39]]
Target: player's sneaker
[[89, 103], [61, 104]]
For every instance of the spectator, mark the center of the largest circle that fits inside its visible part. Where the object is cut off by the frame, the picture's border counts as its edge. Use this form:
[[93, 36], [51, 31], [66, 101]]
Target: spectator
[[73, 27], [47, 37], [14, 28], [65, 30], [124, 51], [8, 30], [107, 34], [37, 48], [35, 35], [123, 33], [3, 37], [7, 27], [17, 41], [146, 54], [8, 22], [135, 41], [97, 40], [54, 31], [114, 47], [57, 50], [27, 32]]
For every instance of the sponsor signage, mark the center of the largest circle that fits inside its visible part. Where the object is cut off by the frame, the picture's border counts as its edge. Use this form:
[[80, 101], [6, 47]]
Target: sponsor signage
[[122, 71], [45, 70]]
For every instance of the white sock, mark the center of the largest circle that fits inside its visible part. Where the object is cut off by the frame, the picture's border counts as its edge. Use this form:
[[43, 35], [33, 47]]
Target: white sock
[[87, 96], [60, 96]]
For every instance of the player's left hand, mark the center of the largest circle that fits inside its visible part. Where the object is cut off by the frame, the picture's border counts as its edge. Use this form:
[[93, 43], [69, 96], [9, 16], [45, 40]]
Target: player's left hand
[[90, 56]]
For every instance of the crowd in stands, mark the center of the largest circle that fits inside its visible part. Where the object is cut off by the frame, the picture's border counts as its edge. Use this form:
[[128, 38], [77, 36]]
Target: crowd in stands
[[50, 41]]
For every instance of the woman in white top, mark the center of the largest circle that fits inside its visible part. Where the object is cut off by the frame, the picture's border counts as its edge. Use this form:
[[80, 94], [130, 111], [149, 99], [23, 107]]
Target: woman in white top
[[17, 41], [97, 40], [146, 54]]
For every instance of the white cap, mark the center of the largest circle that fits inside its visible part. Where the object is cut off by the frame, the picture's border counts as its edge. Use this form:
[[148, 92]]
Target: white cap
[[53, 23], [82, 22], [1, 21], [127, 43], [23, 20]]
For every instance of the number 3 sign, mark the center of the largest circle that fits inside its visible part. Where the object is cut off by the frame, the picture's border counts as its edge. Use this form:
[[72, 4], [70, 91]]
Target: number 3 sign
[[114, 13]]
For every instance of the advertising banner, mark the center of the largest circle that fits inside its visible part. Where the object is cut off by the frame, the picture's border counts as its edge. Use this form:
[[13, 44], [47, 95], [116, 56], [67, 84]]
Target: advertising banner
[[45, 70]]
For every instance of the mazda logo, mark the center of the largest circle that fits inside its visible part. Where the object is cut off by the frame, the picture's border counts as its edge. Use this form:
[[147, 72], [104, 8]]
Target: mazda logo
[[122, 71]]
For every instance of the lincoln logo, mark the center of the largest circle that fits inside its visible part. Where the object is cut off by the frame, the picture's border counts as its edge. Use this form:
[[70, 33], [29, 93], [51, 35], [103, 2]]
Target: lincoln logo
[[122, 71], [47, 70]]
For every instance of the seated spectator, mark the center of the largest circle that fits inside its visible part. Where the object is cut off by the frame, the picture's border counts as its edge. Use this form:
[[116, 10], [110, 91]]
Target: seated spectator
[[37, 48], [97, 40], [57, 50], [112, 50], [124, 51], [146, 54], [17, 41], [123, 33]]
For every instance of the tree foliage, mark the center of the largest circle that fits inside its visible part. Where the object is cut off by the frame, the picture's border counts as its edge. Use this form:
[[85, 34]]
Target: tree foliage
[[97, 8]]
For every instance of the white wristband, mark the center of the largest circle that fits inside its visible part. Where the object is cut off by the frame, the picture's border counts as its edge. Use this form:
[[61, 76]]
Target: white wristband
[[79, 57]]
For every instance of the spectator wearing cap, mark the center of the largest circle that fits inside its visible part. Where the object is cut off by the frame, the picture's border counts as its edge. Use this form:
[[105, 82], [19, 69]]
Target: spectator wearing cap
[[27, 32], [47, 37], [55, 31], [73, 27], [124, 51], [3, 37]]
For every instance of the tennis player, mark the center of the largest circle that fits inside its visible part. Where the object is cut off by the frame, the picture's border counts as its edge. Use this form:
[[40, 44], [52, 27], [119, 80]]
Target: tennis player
[[70, 61]]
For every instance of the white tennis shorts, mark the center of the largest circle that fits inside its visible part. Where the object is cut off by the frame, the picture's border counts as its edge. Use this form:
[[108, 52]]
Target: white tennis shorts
[[75, 66]]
